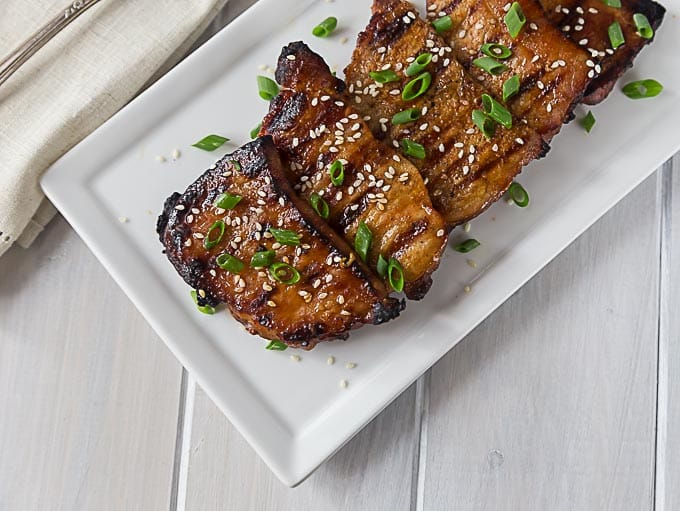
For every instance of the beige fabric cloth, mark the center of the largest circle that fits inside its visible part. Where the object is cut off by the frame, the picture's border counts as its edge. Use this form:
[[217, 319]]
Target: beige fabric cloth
[[76, 82]]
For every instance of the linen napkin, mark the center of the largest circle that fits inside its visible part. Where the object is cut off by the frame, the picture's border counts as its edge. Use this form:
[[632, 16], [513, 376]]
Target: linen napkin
[[76, 82]]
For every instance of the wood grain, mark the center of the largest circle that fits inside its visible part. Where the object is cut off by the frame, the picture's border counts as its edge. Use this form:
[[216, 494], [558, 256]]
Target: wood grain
[[372, 472], [550, 403], [668, 440], [89, 394]]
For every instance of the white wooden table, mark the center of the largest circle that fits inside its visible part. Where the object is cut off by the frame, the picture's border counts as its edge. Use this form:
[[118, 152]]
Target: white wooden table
[[566, 398]]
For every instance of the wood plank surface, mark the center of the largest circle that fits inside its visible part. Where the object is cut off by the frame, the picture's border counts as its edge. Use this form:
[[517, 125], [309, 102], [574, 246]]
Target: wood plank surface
[[89, 394], [668, 441], [550, 403], [372, 472]]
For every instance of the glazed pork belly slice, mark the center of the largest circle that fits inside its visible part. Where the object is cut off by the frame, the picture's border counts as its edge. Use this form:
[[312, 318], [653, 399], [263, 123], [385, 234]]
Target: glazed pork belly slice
[[587, 22], [314, 127], [465, 171], [553, 71], [305, 284]]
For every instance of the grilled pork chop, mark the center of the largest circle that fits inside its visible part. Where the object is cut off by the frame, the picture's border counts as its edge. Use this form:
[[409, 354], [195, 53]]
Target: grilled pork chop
[[553, 71], [309, 287], [313, 127], [465, 172], [587, 23]]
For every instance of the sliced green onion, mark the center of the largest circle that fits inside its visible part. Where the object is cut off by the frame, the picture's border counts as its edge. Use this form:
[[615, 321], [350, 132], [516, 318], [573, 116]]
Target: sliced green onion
[[319, 205], [644, 29], [616, 35], [230, 263], [417, 87], [205, 309], [588, 122], [442, 24], [326, 27], [385, 76], [267, 88], [285, 237], [466, 246], [276, 346], [381, 267], [262, 259], [612, 3], [519, 195], [490, 65], [235, 164], [642, 89], [496, 111], [337, 172], [227, 201], [411, 148], [515, 19], [406, 116], [419, 64], [211, 142], [255, 131], [395, 275], [211, 239], [363, 240], [485, 123], [284, 273], [510, 87], [496, 50]]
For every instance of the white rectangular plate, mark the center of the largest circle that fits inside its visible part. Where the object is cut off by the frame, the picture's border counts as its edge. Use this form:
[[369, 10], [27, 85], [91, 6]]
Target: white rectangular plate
[[294, 414]]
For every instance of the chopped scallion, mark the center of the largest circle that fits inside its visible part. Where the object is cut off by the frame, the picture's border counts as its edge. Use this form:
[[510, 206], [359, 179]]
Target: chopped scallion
[[230, 263], [417, 87], [515, 19], [319, 205], [363, 240], [285, 237], [255, 131], [284, 273], [406, 116], [227, 201], [519, 195], [588, 122], [205, 309], [612, 3], [419, 64], [442, 24], [411, 148], [466, 246], [485, 123], [644, 29], [496, 111], [381, 266], [496, 50], [214, 235], [267, 88], [510, 87], [490, 65], [262, 259], [276, 346], [616, 35], [337, 172], [395, 275], [326, 27], [385, 76], [211, 142], [642, 89]]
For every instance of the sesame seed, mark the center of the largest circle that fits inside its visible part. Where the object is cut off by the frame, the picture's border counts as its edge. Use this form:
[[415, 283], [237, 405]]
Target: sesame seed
[[330, 360], [467, 289], [271, 303], [290, 57], [467, 227], [188, 243], [343, 384], [440, 233], [472, 263], [295, 358], [382, 49], [343, 312], [161, 159], [535, 58], [441, 148], [350, 365], [519, 141]]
